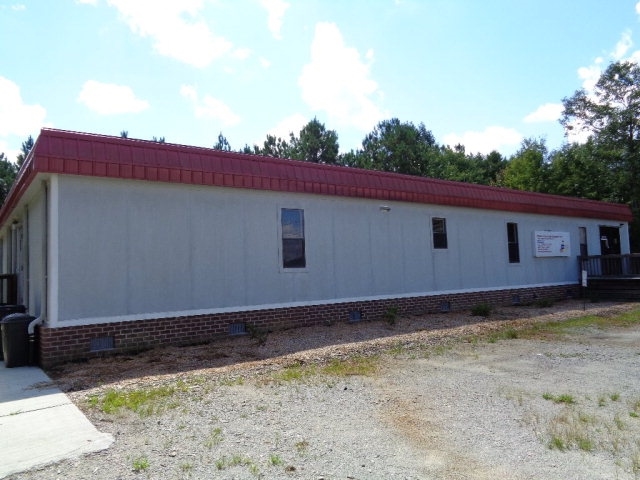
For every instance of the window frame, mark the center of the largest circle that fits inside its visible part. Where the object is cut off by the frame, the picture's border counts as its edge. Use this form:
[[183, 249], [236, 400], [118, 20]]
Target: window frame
[[296, 264], [513, 243], [439, 239]]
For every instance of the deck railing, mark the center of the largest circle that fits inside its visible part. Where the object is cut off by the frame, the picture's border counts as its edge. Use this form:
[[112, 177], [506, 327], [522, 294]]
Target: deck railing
[[611, 265]]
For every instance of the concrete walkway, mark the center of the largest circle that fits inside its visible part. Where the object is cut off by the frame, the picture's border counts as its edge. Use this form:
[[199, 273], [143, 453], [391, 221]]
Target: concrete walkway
[[39, 424]]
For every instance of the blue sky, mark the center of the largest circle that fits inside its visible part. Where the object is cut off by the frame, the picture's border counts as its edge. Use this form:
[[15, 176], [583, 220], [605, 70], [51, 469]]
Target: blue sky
[[482, 73]]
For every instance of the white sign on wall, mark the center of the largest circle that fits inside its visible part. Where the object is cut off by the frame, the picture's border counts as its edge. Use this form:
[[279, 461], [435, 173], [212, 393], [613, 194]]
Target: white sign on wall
[[552, 244]]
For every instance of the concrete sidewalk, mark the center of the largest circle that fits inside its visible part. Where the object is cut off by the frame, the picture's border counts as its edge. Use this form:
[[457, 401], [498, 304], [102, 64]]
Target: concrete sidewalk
[[39, 424]]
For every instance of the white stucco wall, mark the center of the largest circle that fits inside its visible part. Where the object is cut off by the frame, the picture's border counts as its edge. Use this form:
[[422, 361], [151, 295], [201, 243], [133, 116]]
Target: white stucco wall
[[132, 249]]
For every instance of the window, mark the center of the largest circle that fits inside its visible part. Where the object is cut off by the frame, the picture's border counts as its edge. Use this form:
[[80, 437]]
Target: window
[[512, 241], [584, 251], [439, 228], [293, 255]]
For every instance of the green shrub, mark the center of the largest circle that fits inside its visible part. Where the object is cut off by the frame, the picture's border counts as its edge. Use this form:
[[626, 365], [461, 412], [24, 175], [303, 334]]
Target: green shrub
[[481, 310]]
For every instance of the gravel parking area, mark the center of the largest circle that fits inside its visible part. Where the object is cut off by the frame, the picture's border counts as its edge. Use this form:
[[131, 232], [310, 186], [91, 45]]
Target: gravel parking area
[[432, 397]]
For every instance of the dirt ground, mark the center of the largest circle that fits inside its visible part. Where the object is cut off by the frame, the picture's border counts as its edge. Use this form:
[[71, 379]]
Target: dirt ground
[[443, 399]]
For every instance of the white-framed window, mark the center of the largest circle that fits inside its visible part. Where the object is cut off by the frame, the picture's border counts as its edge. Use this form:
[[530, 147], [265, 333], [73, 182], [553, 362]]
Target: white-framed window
[[293, 241], [439, 232]]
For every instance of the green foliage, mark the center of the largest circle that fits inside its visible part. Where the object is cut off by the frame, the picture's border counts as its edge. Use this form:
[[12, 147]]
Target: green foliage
[[223, 143], [481, 310], [140, 464], [315, 144], [527, 169], [391, 315], [8, 172], [562, 398], [25, 148], [144, 402]]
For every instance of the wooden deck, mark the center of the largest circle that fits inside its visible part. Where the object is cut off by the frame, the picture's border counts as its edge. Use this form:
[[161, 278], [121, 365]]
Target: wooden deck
[[612, 277]]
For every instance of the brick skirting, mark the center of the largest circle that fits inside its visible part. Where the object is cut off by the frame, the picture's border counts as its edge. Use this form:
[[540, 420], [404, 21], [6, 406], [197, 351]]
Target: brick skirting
[[60, 345]]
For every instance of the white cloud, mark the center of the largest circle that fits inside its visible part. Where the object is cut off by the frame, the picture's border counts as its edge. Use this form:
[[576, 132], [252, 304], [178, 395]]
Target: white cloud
[[638, 8], [623, 46], [264, 62], [492, 138], [338, 82], [16, 117], [241, 53], [110, 99], [292, 123], [209, 107], [590, 75], [87, 2], [275, 13], [549, 112], [187, 40]]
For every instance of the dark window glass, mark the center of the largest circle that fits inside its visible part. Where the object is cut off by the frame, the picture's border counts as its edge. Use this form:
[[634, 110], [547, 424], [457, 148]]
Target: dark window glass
[[439, 226], [512, 240], [293, 254]]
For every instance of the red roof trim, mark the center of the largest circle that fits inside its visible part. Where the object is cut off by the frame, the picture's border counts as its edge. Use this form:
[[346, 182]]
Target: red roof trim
[[73, 153]]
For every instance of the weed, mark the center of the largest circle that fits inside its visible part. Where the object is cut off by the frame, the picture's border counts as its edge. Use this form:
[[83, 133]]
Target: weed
[[614, 397], [504, 334], [302, 446], [481, 310], [215, 438], [144, 402], [186, 467], [543, 303], [294, 372], [602, 401], [563, 398], [566, 430], [275, 460], [619, 423], [236, 461], [258, 334], [140, 464], [391, 315], [363, 366], [633, 415]]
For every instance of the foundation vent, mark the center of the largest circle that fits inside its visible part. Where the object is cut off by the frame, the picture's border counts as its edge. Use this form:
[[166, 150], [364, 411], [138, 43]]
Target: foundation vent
[[237, 329], [102, 343], [355, 316]]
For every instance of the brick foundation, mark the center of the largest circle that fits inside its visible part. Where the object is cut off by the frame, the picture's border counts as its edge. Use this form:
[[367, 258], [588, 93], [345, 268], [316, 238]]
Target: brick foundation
[[60, 345]]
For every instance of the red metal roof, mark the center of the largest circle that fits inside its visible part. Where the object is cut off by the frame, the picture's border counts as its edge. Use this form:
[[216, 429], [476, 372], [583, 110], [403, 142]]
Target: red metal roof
[[73, 153]]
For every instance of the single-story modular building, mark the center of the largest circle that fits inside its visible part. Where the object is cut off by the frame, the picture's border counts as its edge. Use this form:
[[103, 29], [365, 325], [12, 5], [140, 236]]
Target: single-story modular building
[[121, 244]]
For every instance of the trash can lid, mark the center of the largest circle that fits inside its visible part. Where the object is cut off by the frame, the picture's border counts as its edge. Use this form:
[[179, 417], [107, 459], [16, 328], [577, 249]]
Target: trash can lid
[[17, 318]]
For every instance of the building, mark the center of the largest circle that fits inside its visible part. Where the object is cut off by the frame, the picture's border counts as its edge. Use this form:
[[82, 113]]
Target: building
[[123, 244]]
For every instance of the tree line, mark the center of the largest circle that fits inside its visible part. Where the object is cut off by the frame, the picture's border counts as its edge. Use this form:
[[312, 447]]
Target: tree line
[[604, 167]]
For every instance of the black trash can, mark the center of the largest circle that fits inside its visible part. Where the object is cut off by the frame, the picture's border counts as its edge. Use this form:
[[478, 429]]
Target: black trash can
[[7, 310], [15, 339]]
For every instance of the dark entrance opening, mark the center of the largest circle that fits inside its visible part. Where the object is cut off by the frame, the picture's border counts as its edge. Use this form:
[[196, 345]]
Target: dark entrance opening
[[610, 245]]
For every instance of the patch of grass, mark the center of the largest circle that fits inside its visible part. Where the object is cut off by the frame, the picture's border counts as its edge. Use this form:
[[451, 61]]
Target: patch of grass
[[562, 398], [481, 310], [236, 461], [624, 319], [275, 460], [215, 438], [364, 366], [144, 402], [140, 464], [186, 467], [566, 430], [294, 373], [614, 397], [508, 333]]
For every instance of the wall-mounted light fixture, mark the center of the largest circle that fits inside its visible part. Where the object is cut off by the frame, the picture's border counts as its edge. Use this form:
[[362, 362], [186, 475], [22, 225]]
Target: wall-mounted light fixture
[[385, 208]]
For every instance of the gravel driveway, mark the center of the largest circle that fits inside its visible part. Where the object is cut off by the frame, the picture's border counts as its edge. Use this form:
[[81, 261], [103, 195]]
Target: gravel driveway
[[433, 397]]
